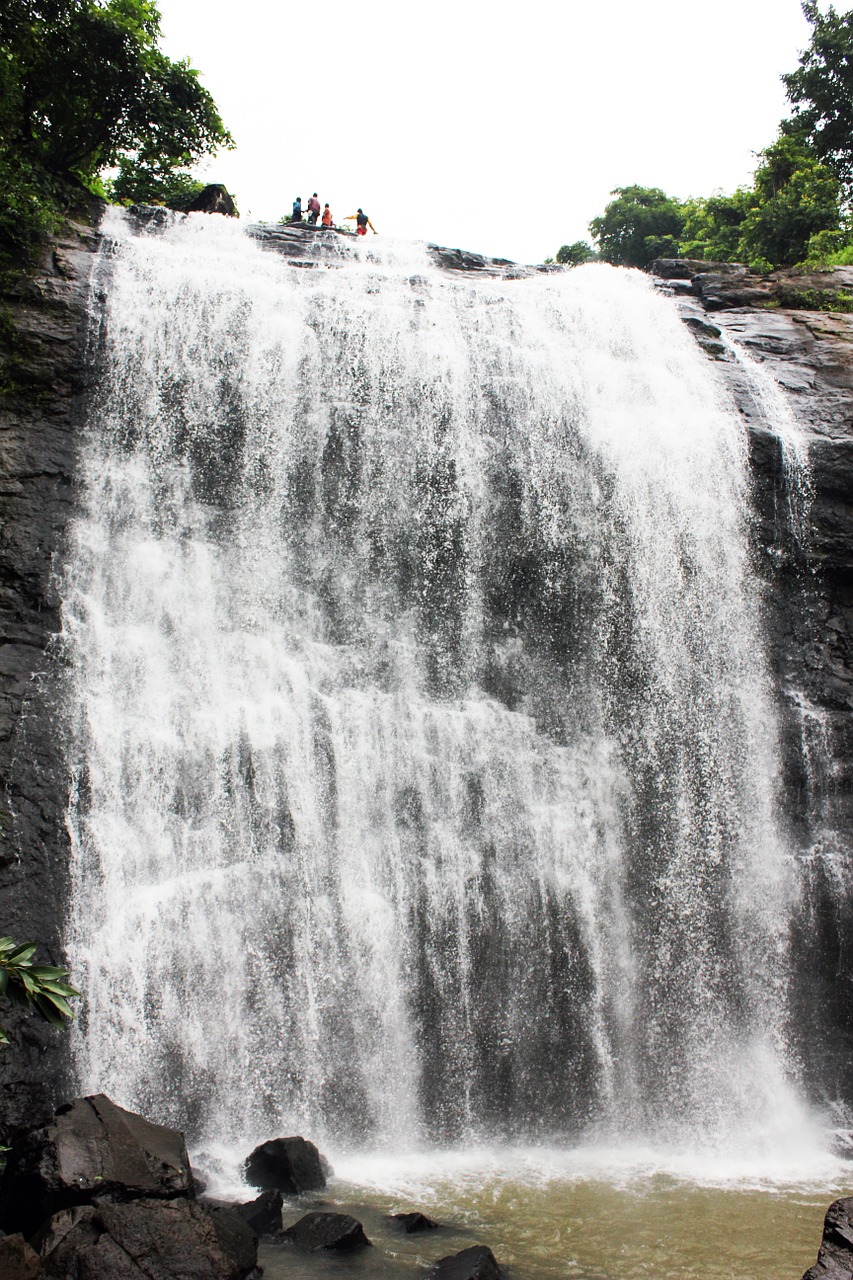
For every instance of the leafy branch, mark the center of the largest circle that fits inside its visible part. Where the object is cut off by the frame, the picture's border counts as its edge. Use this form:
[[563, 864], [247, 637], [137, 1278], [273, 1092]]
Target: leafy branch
[[40, 987]]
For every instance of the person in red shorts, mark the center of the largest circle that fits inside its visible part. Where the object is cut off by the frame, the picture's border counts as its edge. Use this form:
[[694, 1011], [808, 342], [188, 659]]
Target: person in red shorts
[[362, 222], [327, 217]]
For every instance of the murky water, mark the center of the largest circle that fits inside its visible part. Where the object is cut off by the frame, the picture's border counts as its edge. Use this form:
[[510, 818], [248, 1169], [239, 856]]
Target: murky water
[[586, 1215]]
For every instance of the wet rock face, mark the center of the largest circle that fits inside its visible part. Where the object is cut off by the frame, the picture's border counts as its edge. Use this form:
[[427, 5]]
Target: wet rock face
[[835, 1258], [91, 1148], [808, 601], [44, 372], [146, 1240]]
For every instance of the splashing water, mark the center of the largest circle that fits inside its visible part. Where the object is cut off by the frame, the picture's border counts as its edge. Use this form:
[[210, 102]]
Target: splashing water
[[422, 747]]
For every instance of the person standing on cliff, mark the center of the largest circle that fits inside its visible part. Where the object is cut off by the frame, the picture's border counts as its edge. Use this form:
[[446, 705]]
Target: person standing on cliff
[[362, 222], [297, 210], [327, 218], [313, 209]]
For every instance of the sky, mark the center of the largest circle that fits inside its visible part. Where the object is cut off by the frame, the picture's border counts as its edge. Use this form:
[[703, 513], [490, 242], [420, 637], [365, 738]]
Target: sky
[[490, 127]]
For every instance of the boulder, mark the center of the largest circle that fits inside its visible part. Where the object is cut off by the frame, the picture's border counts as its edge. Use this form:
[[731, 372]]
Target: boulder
[[143, 1240], [337, 1231], [91, 1148], [214, 199], [835, 1257], [18, 1260], [476, 1263], [236, 1238], [414, 1222], [291, 1165], [264, 1214]]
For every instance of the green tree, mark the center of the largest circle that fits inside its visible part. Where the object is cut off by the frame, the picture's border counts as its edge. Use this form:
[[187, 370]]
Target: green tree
[[713, 226], [796, 197], [641, 224], [821, 90], [86, 88], [40, 987], [575, 254]]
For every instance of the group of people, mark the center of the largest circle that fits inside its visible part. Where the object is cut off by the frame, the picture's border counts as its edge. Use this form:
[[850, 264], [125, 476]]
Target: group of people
[[312, 209]]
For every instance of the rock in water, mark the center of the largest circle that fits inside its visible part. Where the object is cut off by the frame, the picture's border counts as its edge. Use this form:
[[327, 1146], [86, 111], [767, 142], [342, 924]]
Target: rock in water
[[835, 1257], [264, 1214], [236, 1238], [214, 199], [476, 1263], [145, 1240], [91, 1148], [413, 1222], [336, 1231], [291, 1165]]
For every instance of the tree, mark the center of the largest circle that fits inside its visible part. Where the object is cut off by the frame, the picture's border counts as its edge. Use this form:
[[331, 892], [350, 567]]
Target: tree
[[713, 226], [796, 197], [40, 987], [84, 88], [821, 90], [575, 254], [641, 224]]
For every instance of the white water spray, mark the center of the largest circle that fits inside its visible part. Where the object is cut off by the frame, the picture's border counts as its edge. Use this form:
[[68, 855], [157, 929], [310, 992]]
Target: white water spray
[[422, 747]]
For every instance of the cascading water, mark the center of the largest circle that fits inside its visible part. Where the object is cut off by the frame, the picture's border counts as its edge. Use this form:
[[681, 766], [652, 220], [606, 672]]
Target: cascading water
[[423, 754]]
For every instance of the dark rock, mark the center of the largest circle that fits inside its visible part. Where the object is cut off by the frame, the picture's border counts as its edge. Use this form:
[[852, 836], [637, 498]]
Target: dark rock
[[144, 1240], [18, 1260], [264, 1214], [687, 268], [413, 1222], [91, 1148], [835, 1256], [237, 1239], [214, 199], [476, 1263], [336, 1231], [291, 1165], [44, 375]]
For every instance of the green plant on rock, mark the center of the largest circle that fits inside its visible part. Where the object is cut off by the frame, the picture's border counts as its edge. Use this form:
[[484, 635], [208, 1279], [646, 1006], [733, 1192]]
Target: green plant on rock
[[39, 987]]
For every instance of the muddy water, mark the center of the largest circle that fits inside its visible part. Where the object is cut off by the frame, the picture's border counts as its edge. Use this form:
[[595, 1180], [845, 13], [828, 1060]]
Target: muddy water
[[655, 1227]]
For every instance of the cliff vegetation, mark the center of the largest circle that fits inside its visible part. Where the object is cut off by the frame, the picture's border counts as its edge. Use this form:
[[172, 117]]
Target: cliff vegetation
[[91, 107], [799, 207]]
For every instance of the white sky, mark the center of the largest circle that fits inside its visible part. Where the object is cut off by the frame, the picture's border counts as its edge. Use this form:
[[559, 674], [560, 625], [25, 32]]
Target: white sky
[[487, 126]]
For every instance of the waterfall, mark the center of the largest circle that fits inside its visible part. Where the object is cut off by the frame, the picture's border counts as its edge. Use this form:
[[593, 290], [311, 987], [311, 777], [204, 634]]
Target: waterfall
[[422, 749]]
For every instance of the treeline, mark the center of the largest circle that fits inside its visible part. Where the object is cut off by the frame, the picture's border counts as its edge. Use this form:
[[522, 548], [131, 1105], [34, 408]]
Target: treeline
[[798, 208], [85, 90]]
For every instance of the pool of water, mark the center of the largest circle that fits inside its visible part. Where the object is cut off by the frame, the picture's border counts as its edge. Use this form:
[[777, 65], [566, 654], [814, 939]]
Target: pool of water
[[575, 1216]]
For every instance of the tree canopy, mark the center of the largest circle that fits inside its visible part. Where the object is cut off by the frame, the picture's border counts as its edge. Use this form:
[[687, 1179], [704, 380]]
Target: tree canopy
[[821, 90], [84, 87], [798, 208], [640, 224]]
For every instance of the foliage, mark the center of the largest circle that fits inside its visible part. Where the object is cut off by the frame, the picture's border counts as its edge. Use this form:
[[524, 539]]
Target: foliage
[[640, 224], [796, 198], [40, 987], [575, 254], [713, 226], [84, 87], [821, 91], [135, 185]]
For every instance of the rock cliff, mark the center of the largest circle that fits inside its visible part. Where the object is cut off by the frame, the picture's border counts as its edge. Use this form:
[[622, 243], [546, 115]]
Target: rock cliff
[[44, 328]]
